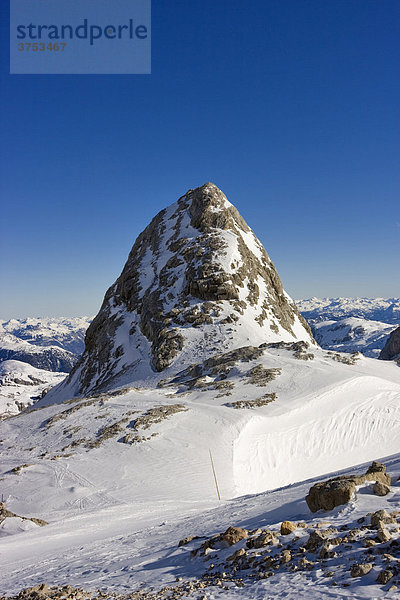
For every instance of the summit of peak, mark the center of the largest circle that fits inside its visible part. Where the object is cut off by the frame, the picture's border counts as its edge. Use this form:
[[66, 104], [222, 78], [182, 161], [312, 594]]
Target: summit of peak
[[197, 282]]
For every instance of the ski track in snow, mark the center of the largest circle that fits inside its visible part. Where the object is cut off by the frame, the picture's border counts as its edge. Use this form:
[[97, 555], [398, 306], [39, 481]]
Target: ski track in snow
[[147, 552]]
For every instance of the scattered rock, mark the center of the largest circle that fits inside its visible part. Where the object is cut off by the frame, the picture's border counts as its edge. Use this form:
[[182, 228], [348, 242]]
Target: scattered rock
[[266, 538], [379, 470], [4, 513], [316, 539], [326, 495], [286, 556], [233, 535], [381, 489], [384, 576], [260, 376], [326, 552], [306, 564], [238, 554], [17, 470], [287, 527], [186, 540], [263, 401], [358, 570], [381, 516], [383, 535]]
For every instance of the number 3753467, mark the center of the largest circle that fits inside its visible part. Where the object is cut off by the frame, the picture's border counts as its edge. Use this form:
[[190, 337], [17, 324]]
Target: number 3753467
[[41, 47]]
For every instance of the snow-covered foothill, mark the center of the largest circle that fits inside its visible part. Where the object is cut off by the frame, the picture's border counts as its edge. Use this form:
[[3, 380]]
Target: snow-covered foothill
[[353, 334], [21, 385], [49, 358]]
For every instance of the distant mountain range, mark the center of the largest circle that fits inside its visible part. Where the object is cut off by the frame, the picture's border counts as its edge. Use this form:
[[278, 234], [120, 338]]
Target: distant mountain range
[[351, 324], [385, 310], [66, 333], [342, 324]]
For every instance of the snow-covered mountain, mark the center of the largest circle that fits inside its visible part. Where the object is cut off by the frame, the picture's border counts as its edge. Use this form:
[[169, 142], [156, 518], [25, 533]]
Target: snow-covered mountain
[[353, 334], [198, 364], [21, 385], [385, 310], [197, 282]]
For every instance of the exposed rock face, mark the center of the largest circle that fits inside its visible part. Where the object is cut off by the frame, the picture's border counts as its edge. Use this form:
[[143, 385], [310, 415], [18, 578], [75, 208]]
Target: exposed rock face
[[197, 282], [391, 349], [326, 495]]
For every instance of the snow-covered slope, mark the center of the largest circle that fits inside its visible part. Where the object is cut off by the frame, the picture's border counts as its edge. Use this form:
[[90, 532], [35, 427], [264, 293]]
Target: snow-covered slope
[[118, 474], [385, 310], [353, 334], [22, 385], [197, 282], [66, 333]]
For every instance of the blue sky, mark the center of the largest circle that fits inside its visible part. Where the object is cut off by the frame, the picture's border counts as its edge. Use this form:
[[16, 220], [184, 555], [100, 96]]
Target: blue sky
[[290, 106]]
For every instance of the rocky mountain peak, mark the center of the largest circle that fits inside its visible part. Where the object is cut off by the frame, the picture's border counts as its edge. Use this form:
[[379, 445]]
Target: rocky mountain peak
[[197, 282]]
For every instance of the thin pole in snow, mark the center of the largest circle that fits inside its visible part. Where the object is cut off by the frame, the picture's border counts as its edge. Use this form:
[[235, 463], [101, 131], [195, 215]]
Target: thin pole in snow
[[215, 476]]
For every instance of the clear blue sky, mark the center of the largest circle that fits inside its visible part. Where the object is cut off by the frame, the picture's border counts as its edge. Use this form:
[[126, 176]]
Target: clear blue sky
[[290, 106]]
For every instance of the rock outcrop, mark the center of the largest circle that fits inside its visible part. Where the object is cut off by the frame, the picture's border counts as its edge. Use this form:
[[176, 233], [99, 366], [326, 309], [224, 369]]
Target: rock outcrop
[[197, 282], [391, 350], [7, 514], [326, 495]]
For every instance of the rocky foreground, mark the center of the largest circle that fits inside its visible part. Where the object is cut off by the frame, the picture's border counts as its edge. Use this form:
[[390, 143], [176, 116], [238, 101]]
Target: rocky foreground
[[361, 551]]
